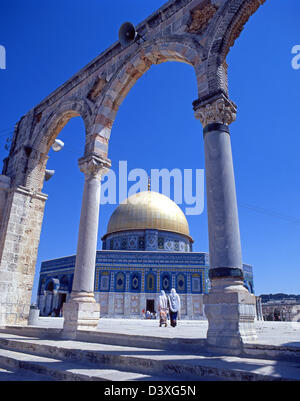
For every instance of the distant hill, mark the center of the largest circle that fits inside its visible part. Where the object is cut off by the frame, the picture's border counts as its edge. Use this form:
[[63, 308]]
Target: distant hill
[[278, 297]]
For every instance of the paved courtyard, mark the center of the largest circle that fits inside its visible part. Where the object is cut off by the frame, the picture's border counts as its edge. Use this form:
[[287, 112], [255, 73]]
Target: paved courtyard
[[270, 333]]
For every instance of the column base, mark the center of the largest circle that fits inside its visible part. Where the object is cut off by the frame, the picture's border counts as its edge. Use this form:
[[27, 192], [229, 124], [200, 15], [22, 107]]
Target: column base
[[231, 311], [81, 312]]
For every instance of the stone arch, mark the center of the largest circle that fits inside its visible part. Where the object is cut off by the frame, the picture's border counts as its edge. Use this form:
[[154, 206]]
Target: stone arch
[[225, 28], [52, 285], [44, 134], [180, 48]]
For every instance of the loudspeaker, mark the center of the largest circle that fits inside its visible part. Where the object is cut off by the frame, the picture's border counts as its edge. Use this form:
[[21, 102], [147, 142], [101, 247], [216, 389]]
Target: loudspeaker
[[57, 145], [127, 34], [49, 174]]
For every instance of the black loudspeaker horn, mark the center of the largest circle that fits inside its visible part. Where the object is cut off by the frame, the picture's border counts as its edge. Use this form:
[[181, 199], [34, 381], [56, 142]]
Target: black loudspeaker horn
[[127, 34]]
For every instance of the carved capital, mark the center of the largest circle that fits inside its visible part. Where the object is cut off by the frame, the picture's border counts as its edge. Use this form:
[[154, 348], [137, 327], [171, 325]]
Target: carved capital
[[94, 166], [215, 110]]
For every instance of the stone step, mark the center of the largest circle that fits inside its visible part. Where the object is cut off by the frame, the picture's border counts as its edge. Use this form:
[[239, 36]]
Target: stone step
[[283, 352], [9, 374], [24, 366], [153, 362], [104, 358], [98, 336]]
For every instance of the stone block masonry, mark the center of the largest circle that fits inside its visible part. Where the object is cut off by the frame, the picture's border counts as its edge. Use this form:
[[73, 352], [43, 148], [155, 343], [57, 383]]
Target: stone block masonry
[[19, 253]]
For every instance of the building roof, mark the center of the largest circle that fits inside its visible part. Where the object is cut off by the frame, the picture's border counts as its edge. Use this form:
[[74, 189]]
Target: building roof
[[148, 210]]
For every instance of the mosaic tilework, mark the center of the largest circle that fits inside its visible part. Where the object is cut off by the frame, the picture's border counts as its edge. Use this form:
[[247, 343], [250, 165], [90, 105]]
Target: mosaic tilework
[[151, 240], [135, 282], [103, 300], [119, 304], [151, 282], [134, 305], [139, 272]]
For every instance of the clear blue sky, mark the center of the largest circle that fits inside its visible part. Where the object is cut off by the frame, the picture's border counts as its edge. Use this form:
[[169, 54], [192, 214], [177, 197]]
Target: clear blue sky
[[47, 42]]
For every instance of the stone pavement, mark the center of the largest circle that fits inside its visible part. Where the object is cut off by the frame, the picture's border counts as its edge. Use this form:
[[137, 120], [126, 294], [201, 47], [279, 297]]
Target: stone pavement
[[139, 350], [268, 333]]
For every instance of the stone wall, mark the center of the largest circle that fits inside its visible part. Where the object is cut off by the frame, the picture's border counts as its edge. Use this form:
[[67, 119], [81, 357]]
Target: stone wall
[[131, 306], [18, 250]]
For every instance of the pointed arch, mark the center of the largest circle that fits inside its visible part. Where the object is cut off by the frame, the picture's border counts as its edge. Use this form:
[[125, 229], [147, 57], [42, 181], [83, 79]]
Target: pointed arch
[[225, 28], [179, 48], [49, 127]]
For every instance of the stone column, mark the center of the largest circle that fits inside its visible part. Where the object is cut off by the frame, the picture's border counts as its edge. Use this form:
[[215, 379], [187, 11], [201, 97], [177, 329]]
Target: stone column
[[20, 228], [142, 303], [81, 311], [229, 307]]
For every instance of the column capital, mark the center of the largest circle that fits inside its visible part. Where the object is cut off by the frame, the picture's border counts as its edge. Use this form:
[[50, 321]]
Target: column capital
[[94, 166], [215, 109]]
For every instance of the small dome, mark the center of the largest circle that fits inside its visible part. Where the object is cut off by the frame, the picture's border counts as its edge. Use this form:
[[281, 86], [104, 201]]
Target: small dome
[[148, 210]]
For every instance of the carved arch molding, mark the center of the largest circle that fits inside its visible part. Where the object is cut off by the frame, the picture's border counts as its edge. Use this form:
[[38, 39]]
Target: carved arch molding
[[197, 32]]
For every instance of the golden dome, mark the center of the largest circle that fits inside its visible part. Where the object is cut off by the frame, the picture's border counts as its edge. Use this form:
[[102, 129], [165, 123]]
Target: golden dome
[[148, 210]]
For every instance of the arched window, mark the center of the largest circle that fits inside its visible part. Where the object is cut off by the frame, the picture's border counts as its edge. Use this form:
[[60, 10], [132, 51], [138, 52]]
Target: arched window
[[135, 282], [52, 285], [165, 282], [181, 283], [151, 283], [64, 283], [104, 281], [120, 282], [196, 283]]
